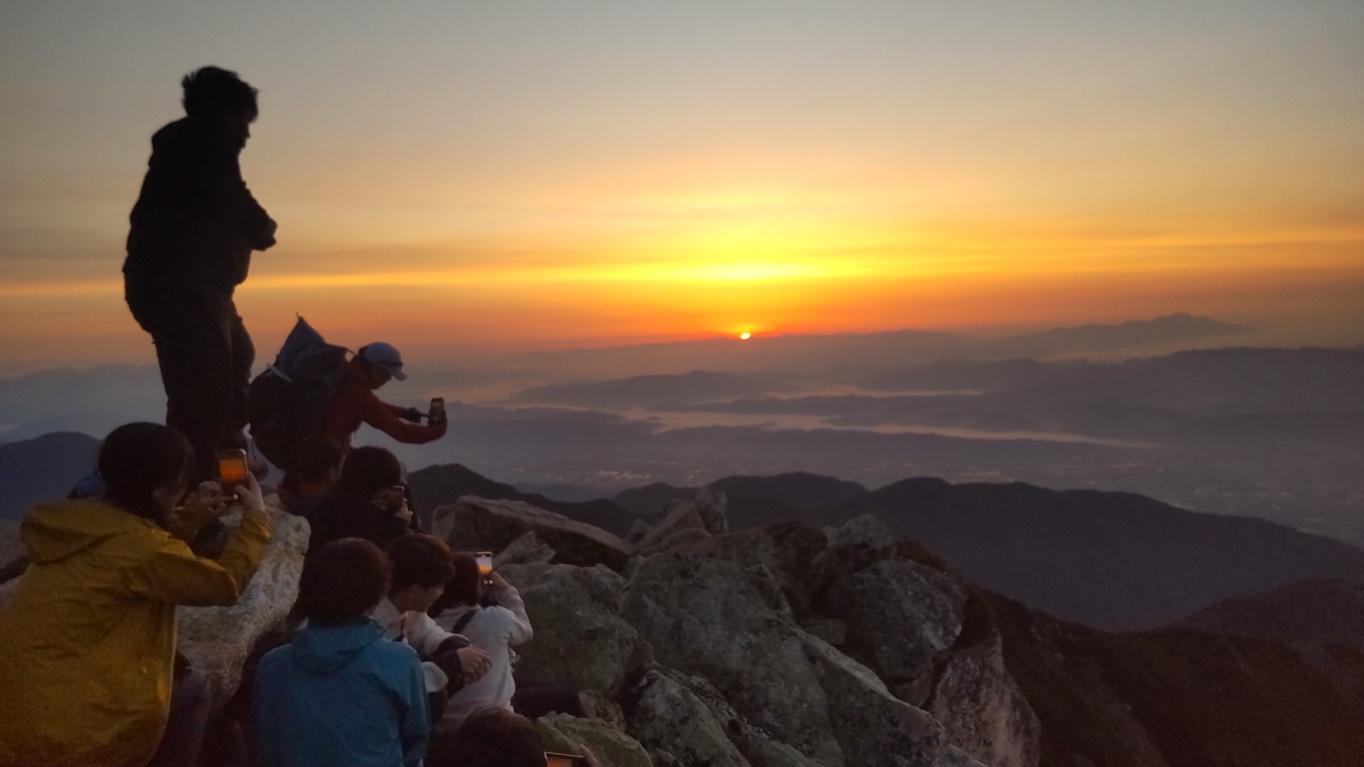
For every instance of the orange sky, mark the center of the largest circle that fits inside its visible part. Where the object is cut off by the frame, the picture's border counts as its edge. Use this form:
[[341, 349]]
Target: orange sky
[[477, 180]]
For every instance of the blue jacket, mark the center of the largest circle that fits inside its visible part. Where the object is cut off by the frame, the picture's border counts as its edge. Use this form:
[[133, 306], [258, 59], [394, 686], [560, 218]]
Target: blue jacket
[[340, 695]]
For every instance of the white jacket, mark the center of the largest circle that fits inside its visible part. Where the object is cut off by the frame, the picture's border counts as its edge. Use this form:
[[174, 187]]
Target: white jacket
[[495, 630], [418, 631]]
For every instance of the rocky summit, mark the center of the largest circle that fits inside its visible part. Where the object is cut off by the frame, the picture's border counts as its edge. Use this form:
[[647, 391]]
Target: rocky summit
[[777, 646], [795, 646]]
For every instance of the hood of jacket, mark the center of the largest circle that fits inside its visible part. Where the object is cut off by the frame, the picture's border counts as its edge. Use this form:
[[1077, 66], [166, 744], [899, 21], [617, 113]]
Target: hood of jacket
[[54, 531], [326, 649]]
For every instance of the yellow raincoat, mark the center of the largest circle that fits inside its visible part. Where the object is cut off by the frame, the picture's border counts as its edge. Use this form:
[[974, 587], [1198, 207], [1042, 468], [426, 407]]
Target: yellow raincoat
[[87, 642]]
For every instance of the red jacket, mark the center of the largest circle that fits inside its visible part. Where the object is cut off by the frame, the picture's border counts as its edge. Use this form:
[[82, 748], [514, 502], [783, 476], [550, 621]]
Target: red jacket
[[355, 403]]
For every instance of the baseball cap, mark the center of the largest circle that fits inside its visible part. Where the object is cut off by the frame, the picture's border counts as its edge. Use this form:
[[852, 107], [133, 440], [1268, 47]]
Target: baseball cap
[[385, 356]]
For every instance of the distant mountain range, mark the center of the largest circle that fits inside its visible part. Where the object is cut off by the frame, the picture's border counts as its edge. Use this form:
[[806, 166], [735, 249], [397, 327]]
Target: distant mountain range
[[813, 352], [1322, 611], [659, 390], [42, 469], [1110, 560]]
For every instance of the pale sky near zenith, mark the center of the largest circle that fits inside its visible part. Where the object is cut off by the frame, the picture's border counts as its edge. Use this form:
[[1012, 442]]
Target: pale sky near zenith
[[474, 178]]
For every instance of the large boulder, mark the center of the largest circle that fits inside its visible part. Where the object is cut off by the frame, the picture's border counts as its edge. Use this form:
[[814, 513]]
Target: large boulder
[[581, 641], [689, 719], [982, 708], [217, 640], [712, 617], [479, 523], [786, 551], [900, 615], [528, 549], [686, 520], [867, 529], [611, 746], [874, 728], [666, 716]]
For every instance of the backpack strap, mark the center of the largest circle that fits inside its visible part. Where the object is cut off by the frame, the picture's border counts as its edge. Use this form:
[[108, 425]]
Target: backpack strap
[[463, 621]]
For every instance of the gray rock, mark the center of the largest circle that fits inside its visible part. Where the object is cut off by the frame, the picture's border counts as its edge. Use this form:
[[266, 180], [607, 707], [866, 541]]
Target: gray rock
[[217, 640], [710, 506], [638, 529], [874, 728], [479, 523], [867, 529], [666, 715], [708, 616], [675, 539], [787, 551], [580, 641], [687, 520], [612, 747], [901, 615], [982, 708], [831, 630], [525, 550], [755, 745]]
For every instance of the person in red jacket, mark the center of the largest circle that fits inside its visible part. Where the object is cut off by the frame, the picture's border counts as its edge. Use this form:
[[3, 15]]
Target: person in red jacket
[[355, 401]]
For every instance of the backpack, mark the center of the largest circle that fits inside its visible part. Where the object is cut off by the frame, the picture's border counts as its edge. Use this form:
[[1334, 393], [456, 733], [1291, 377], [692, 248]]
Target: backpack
[[287, 401]]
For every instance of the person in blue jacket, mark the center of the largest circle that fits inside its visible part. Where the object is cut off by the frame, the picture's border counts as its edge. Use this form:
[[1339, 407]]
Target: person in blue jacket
[[340, 693]]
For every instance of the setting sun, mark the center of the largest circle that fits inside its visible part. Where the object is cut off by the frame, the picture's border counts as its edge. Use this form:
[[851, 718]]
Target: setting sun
[[744, 336]]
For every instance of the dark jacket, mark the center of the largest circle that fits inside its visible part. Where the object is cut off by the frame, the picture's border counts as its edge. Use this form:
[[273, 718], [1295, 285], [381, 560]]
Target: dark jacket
[[340, 695], [341, 516], [195, 222]]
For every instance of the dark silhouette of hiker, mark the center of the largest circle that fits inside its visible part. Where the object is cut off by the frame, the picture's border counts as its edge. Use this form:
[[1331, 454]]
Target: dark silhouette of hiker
[[193, 229]]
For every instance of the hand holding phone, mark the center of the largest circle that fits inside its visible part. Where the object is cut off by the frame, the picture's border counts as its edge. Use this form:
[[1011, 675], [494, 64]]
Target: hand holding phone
[[437, 410]]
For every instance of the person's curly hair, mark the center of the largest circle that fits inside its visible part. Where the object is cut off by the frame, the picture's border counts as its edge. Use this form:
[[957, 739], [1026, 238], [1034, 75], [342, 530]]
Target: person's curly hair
[[343, 581]]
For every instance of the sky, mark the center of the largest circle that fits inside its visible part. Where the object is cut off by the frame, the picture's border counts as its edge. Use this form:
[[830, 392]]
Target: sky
[[466, 179]]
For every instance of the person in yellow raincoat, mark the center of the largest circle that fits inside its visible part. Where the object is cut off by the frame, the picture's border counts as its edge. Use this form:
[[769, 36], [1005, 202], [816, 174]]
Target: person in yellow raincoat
[[87, 640]]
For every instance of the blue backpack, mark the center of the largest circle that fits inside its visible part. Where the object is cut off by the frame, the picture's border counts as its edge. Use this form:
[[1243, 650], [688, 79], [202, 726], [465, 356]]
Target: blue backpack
[[288, 400]]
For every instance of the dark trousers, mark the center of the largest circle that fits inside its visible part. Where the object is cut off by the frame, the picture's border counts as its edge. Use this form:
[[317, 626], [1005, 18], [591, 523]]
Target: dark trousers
[[205, 355]]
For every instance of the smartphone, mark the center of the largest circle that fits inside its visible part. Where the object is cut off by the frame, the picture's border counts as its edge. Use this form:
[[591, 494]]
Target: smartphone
[[553, 759], [232, 469], [485, 563], [437, 409]]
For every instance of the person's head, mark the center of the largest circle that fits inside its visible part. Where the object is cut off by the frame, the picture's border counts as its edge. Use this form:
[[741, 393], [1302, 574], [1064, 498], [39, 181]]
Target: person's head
[[496, 737], [380, 362], [342, 581], [465, 585], [220, 94], [213, 89], [421, 566], [146, 469], [317, 468], [369, 470]]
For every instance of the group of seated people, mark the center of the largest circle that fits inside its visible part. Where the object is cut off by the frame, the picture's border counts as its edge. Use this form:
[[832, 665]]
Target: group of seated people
[[399, 650]]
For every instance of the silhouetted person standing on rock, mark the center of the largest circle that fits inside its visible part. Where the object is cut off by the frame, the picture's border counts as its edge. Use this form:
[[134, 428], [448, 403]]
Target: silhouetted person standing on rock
[[193, 229]]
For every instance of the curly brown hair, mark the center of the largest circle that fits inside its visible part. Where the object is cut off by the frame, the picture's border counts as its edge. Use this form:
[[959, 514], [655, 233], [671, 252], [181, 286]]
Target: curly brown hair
[[343, 581]]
